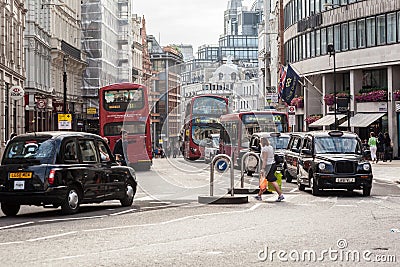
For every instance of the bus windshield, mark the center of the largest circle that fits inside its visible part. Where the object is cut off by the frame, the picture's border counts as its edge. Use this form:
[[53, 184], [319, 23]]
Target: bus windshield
[[265, 122], [122, 99], [209, 105]]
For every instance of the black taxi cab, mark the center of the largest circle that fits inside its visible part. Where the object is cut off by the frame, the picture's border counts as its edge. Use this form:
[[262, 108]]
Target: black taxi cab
[[62, 169], [329, 160], [278, 141]]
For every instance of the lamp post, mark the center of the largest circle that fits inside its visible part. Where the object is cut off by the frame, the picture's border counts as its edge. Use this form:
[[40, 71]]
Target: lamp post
[[65, 61], [331, 51]]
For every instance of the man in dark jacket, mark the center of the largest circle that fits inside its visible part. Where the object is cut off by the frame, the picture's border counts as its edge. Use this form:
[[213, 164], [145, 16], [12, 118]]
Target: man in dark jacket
[[121, 147]]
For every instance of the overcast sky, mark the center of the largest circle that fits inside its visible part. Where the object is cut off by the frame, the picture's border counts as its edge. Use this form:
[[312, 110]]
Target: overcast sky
[[194, 22]]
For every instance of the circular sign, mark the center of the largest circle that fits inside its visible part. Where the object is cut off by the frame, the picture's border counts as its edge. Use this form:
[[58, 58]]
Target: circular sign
[[41, 103], [221, 165], [16, 92], [291, 109]]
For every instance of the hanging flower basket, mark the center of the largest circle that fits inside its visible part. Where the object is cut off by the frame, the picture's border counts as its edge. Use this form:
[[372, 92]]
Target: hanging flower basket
[[330, 98], [312, 118], [298, 102], [373, 96], [396, 95]]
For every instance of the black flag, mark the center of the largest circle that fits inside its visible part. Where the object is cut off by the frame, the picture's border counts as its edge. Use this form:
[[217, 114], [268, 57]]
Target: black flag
[[289, 89]]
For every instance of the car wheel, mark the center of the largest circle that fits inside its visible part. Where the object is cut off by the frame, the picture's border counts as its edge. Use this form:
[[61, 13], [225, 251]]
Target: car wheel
[[300, 186], [10, 209], [72, 201], [289, 178], [366, 191], [130, 191], [314, 187]]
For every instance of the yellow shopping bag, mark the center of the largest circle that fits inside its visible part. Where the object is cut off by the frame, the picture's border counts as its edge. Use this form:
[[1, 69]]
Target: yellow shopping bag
[[278, 176]]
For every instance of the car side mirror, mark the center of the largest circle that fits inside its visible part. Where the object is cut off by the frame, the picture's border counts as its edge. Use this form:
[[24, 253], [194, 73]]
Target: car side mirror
[[306, 151]]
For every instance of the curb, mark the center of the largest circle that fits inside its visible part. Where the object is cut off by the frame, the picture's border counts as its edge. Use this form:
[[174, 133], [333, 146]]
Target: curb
[[387, 180], [223, 199]]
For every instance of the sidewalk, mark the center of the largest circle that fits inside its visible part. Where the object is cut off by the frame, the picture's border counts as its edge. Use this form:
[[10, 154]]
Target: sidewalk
[[387, 171]]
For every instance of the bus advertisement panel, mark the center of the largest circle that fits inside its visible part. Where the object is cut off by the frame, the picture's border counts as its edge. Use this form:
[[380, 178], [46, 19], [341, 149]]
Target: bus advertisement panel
[[124, 106], [201, 121]]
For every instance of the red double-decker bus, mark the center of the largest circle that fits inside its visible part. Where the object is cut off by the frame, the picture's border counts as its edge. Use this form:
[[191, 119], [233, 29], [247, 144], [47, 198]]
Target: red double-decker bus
[[201, 120], [125, 106], [238, 128]]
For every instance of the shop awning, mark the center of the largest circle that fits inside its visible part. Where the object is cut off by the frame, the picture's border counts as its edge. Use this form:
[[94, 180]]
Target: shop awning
[[326, 120], [362, 119]]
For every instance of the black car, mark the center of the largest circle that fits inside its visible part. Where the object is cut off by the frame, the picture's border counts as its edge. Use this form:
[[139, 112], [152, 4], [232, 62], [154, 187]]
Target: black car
[[278, 141], [328, 160], [66, 169]]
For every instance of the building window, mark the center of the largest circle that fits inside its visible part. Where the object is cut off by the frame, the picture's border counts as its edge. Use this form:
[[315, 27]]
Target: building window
[[330, 35], [381, 29], [312, 42], [317, 43], [336, 37], [371, 34], [398, 26], [323, 42], [361, 33], [308, 46], [352, 35], [391, 28], [345, 37]]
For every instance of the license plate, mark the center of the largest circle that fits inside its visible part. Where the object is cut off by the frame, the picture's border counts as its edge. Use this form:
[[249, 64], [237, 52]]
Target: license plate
[[20, 175], [345, 180], [19, 185]]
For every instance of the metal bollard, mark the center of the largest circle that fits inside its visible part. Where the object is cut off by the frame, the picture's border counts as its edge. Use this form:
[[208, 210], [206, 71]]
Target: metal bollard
[[242, 166], [212, 169]]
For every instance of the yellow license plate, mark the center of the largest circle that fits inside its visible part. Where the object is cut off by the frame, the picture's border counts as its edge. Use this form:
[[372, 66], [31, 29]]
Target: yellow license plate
[[20, 175]]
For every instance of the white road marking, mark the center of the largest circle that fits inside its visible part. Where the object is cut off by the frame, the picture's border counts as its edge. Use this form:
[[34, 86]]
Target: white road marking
[[340, 205], [73, 219], [51, 236], [15, 225], [11, 243], [293, 190], [160, 202], [123, 212], [255, 206]]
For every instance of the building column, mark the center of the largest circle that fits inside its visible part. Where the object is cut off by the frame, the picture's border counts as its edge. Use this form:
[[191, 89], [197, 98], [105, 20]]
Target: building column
[[355, 85], [393, 85]]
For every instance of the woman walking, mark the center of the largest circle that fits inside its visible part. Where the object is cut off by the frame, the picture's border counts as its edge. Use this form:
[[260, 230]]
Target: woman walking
[[372, 146], [268, 169]]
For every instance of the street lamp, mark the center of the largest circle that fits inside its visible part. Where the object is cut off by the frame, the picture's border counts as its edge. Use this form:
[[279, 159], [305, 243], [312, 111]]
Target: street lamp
[[331, 51], [65, 61]]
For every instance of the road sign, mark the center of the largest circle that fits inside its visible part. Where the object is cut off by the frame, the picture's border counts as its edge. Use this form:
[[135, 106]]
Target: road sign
[[16, 92], [221, 165], [292, 119], [291, 110], [64, 121]]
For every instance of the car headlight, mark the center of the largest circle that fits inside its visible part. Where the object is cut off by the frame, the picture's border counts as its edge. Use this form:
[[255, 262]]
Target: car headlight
[[366, 167], [321, 166]]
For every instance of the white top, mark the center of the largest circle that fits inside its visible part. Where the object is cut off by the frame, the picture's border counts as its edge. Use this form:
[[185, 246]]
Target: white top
[[269, 150]]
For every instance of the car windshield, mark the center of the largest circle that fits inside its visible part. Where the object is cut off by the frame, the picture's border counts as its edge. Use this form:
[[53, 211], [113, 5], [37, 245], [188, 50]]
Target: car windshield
[[342, 145], [42, 150], [279, 142]]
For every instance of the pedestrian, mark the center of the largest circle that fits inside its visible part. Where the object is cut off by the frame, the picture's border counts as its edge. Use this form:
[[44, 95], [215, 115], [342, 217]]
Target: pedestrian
[[120, 148], [380, 147], [372, 147], [387, 142], [268, 168]]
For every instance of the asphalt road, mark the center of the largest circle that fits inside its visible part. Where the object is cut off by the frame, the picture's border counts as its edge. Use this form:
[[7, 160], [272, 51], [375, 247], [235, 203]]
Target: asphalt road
[[167, 226]]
